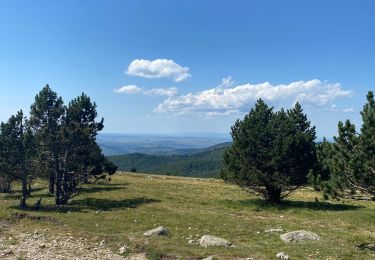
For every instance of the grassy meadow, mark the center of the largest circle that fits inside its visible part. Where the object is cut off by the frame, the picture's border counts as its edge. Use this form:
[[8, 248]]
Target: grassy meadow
[[121, 211]]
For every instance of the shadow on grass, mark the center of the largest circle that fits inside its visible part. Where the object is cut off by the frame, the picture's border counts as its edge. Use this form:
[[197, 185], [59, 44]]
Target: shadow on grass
[[85, 205], [260, 204], [102, 187], [16, 194], [108, 204]]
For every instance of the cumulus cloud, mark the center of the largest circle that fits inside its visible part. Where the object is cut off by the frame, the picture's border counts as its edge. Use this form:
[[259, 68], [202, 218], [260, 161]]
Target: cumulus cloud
[[227, 99], [159, 68], [133, 89]]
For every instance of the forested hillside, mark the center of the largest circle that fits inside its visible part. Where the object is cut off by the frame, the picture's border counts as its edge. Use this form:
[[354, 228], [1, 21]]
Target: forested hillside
[[206, 163]]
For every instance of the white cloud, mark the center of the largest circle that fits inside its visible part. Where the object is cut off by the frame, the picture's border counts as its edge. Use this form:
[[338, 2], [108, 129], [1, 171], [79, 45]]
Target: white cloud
[[128, 89], [161, 92], [226, 82], [133, 89], [159, 68], [334, 108], [224, 99]]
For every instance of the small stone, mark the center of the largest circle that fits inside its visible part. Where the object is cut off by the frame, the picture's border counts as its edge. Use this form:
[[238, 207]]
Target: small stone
[[123, 249], [7, 252], [102, 243], [159, 231], [300, 235], [209, 257], [208, 240], [283, 256], [42, 246]]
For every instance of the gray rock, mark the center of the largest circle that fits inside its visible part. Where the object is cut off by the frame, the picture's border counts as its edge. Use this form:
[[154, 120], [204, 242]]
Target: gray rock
[[283, 256], [209, 257], [7, 252], [208, 240], [159, 231], [300, 235]]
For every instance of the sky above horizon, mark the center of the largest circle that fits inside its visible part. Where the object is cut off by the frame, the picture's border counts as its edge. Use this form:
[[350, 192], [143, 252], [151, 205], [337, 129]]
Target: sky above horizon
[[169, 67]]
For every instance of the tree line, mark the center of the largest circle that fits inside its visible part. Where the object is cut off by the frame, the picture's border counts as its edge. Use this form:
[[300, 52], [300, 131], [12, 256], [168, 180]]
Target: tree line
[[275, 152], [57, 143]]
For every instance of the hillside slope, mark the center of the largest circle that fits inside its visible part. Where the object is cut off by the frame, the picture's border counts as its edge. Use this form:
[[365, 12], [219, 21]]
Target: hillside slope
[[206, 163], [106, 216]]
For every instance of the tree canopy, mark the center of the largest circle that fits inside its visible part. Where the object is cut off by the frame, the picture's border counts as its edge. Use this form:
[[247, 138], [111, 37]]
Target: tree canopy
[[272, 152], [57, 142], [350, 159]]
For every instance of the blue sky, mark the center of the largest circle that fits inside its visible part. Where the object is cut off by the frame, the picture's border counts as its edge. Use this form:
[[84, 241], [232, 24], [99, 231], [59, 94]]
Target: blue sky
[[190, 66]]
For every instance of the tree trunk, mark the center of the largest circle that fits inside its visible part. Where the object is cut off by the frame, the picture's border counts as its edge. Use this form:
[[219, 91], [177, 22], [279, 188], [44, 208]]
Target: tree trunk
[[273, 195], [29, 190], [24, 190], [52, 182], [23, 178], [58, 183]]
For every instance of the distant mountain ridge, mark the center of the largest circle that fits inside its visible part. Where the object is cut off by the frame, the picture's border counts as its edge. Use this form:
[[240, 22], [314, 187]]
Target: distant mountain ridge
[[205, 162], [117, 144]]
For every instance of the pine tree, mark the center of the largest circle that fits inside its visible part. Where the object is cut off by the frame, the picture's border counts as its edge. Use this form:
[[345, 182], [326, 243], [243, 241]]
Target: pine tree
[[82, 158], [353, 157], [367, 140], [272, 152], [322, 171], [17, 151], [46, 117]]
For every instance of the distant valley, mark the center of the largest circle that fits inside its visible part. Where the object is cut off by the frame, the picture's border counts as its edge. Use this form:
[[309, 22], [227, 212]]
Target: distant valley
[[169, 155]]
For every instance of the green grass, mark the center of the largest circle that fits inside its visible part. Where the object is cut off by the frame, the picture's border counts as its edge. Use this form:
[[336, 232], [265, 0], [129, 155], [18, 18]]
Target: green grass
[[134, 203]]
